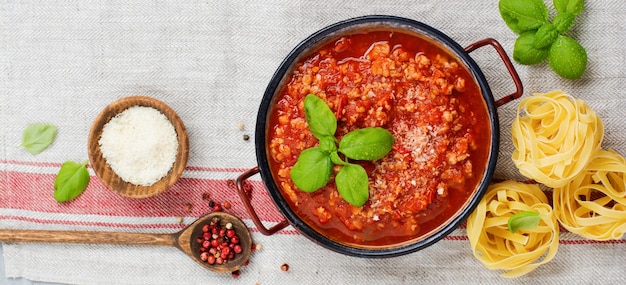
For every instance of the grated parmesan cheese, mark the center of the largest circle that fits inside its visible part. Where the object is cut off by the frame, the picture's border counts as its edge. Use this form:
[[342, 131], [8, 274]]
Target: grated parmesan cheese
[[140, 144]]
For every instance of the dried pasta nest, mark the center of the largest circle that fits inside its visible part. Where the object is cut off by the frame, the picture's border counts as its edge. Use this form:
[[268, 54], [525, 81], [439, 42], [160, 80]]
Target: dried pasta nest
[[555, 137], [593, 204], [521, 251]]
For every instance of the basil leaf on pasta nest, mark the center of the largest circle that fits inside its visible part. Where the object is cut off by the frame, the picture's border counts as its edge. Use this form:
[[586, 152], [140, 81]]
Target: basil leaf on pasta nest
[[71, 181], [321, 119], [523, 220], [312, 170], [37, 137], [353, 184]]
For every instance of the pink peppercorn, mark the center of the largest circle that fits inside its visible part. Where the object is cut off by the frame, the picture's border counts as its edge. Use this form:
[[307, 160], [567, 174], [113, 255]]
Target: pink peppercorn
[[234, 240], [211, 259]]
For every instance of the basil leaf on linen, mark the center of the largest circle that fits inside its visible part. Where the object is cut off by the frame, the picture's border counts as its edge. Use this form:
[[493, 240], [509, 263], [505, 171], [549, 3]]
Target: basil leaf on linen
[[567, 58], [563, 22], [523, 220], [523, 15], [71, 181], [312, 170], [524, 50], [321, 119], [37, 137], [545, 36], [366, 144], [352, 184], [569, 6]]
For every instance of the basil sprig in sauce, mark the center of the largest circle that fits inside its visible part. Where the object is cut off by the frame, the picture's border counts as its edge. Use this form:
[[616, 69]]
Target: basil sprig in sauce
[[315, 165]]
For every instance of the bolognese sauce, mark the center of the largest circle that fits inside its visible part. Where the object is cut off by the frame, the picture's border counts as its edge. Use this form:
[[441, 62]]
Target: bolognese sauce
[[418, 92]]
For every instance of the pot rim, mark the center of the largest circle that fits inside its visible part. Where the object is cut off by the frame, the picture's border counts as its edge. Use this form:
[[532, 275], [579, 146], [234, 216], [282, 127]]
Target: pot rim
[[316, 40]]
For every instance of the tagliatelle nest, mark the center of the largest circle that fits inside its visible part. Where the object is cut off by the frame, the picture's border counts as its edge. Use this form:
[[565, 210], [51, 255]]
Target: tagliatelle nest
[[521, 251], [555, 137], [593, 204]]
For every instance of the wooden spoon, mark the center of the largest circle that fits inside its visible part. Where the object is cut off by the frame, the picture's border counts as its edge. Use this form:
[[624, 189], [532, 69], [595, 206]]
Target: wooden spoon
[[184, 240]]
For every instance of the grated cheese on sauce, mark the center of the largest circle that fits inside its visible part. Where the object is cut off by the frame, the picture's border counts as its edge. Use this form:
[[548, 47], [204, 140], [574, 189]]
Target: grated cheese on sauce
[[140, 144]]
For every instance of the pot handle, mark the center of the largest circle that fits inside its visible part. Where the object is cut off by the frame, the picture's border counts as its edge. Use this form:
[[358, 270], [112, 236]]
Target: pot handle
[[509, 66], [248, 204]]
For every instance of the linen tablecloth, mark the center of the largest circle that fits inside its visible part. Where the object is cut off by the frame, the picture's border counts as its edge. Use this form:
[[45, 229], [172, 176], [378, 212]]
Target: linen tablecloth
[[62, 62]]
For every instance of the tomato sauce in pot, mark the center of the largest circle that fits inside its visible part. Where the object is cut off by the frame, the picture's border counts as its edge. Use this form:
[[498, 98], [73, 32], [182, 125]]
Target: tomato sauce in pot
[[416, 90]]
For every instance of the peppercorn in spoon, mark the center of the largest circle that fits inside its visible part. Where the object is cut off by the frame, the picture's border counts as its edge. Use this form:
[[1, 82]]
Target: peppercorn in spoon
[[190, 240]]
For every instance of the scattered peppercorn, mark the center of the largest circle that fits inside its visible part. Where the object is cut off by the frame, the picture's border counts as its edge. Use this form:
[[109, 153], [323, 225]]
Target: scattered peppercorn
[[217, 207], [284, 267], [205, 196], [246, 137], [211, 204], [231, 183], [247, 186], [179, 220], [188, 207], [236, 273], [226, 205]]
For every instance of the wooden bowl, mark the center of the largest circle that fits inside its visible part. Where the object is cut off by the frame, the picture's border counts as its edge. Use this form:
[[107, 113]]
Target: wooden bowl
[[104, 170], [245, 240]]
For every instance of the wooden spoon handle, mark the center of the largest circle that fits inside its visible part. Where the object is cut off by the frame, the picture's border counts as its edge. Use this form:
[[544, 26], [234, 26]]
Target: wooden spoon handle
[[86, 237]]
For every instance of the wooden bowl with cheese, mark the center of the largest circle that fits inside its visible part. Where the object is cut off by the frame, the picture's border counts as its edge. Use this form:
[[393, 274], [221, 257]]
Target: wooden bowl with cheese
[[138, 146]]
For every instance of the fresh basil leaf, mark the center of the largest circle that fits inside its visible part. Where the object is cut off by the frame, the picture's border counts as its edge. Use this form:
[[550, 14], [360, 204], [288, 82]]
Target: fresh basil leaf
[[328, 144], [563, 22], [312, 170], [352, 184], [71, 181], [567, 58], [524, 51], [37, 137], [366, 144], [523, 15], [523, 220], [321, 119], [334, 157], [545, 36], [569, 6]]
